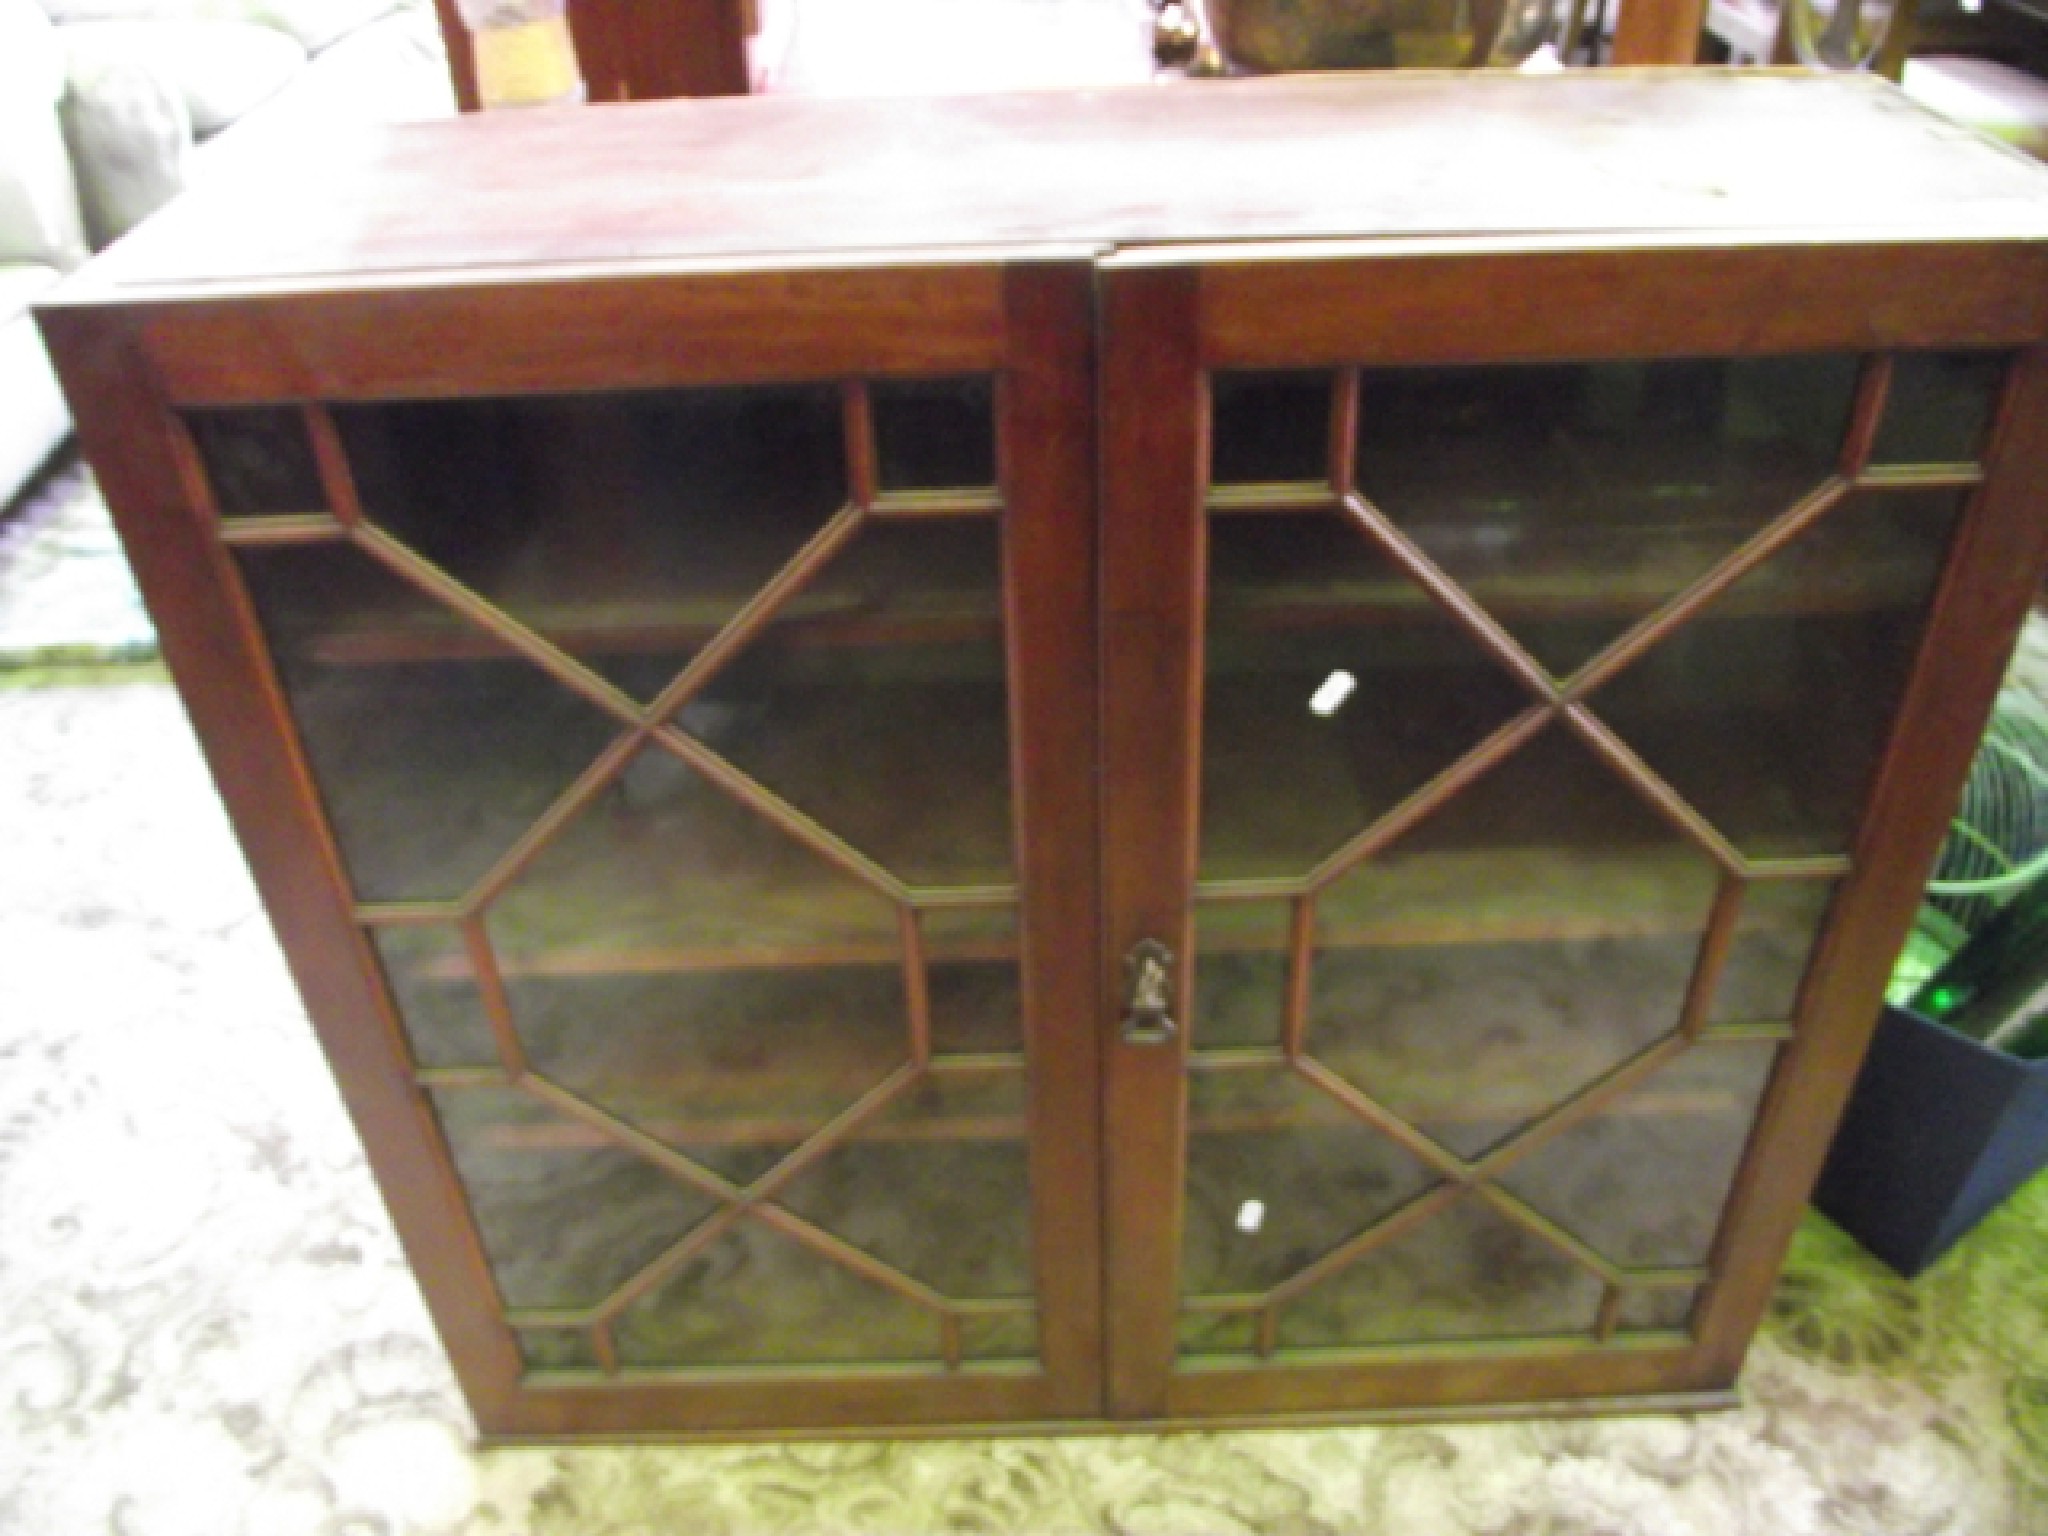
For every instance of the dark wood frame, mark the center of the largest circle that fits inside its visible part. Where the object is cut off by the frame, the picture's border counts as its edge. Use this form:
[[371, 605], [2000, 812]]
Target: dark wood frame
[[1029, 325], [1169, 318]]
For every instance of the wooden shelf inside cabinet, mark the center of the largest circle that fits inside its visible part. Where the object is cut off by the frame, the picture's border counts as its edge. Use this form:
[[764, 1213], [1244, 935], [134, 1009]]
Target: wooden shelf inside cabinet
[[1552, 570], [617, 597]]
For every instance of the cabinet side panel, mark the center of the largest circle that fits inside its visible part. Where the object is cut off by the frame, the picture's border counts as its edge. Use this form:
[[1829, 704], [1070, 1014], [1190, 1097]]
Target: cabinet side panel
[[1994, 570], [211, 643]]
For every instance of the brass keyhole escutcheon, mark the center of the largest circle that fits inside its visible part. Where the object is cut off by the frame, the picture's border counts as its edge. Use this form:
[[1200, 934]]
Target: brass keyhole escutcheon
[[1148, 994]]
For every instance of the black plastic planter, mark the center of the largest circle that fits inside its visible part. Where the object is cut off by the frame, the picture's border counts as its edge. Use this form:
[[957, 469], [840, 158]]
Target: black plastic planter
[[1938, 1131]]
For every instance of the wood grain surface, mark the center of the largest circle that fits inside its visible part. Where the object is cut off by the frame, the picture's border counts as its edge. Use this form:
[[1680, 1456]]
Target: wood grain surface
[[1605, 153]]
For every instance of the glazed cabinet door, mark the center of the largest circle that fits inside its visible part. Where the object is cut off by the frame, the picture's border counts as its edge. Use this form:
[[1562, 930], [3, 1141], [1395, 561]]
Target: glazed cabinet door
[[1492, 722], [682, 690]]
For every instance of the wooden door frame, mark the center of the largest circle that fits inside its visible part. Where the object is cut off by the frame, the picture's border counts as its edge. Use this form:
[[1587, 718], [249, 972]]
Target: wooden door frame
[[1171, 317], [132, 366]]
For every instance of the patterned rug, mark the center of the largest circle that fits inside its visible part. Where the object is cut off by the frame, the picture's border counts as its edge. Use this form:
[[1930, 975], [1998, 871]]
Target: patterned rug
[[66, 597], [206, 1326]]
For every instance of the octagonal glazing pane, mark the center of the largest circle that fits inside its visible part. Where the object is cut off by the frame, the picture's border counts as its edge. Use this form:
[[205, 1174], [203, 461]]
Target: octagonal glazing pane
[[1536, 932]]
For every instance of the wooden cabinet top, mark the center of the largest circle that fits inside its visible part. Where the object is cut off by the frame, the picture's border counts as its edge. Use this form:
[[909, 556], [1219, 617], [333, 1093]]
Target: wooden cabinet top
[[1607, 157]]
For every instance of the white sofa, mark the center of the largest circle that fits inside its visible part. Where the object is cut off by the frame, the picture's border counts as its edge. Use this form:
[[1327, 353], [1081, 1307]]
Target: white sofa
[[41, 235], [109, 108]]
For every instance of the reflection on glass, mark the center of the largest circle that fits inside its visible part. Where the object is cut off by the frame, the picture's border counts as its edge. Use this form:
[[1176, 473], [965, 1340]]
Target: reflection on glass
[[937, 1185], [1572, 499], [1240, 973], [1769, 711], [432, 756], [1644, 1182], [434, 985], [1278, 1174], [934, 434], [877, 702], [1537, 931], [1779, 922], [757, 1297], [1938, 407], [628, 528], [259, 461], [698, 972], [971, 965], [1293, 599], [1268, 427], [1466, 1273], [565, 1216]]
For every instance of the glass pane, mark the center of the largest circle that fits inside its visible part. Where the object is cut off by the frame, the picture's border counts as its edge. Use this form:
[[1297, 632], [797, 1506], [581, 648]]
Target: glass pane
[[877, 703], [1334, 689], [1768, 712], [260, 461], [566, 1217], [933, 434], [434, 985], [628, 528], [1278, 1174], [433, 747], [1465, 1273], [971, 962], [756, 1297], [1572, 499], [682, 963], [556, 1349], [1779, 922], [1269, 426], [1644, 1182], [1240, 973], [1217, 1333], [1537, 931], [937, 1186], [1938, 408], [1004, 1337], [1644, 1311]]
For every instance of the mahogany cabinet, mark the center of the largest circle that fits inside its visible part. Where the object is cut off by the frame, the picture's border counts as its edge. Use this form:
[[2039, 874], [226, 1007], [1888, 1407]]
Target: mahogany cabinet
[[1183, 755]]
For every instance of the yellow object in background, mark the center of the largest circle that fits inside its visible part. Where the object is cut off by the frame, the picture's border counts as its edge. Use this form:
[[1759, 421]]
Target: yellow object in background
[[529, 65]]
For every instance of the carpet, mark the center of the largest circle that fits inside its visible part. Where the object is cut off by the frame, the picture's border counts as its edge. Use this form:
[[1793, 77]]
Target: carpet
[[66, 595], [206, 1325]]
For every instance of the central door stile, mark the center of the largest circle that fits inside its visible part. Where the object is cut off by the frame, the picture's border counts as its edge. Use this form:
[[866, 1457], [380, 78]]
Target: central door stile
[[1152, 549], [1046, 405]]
